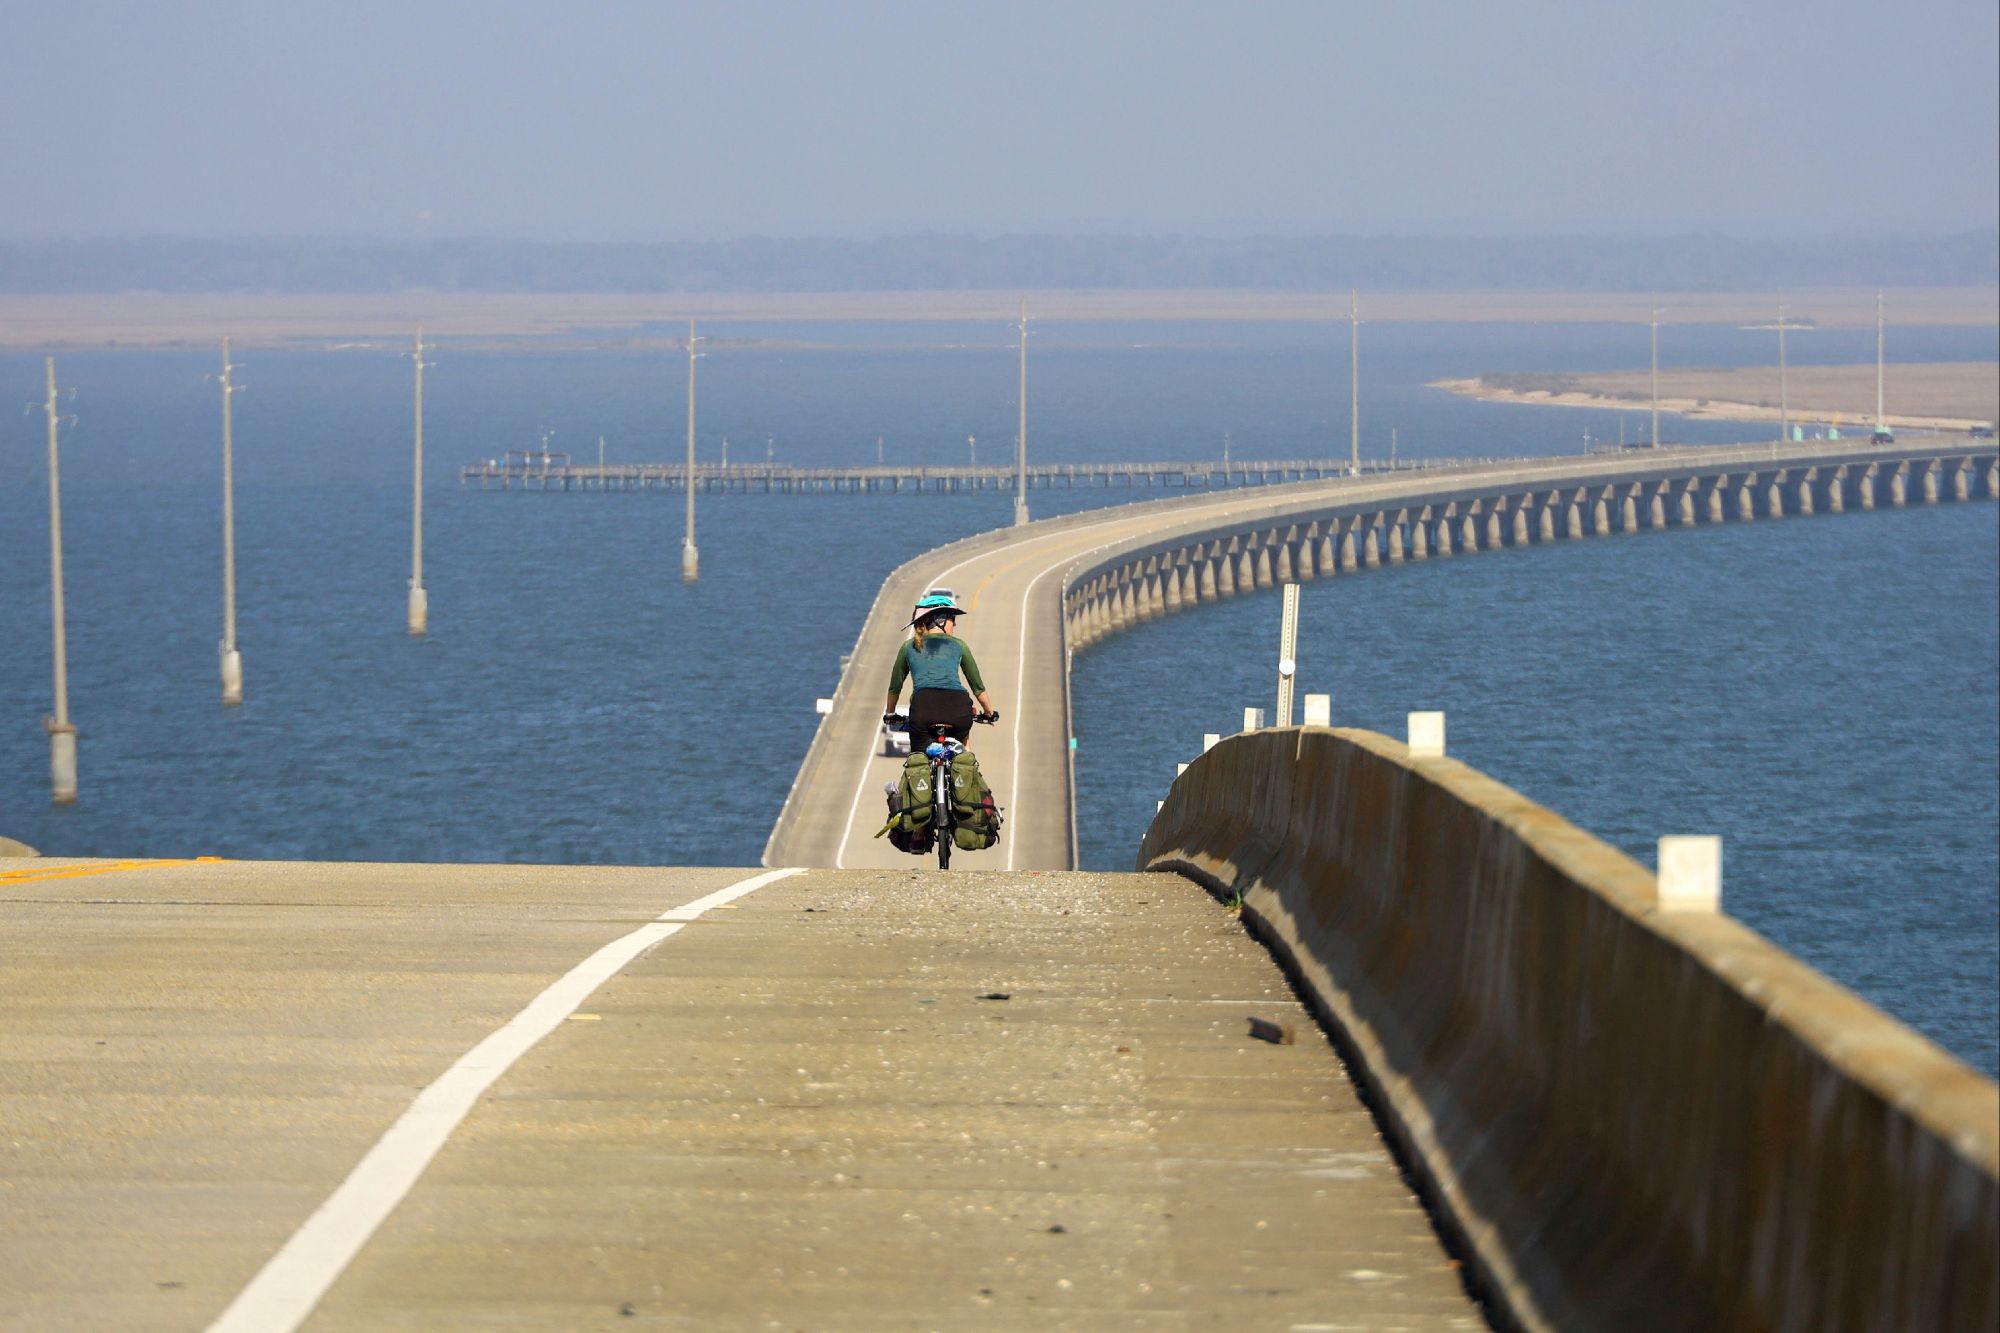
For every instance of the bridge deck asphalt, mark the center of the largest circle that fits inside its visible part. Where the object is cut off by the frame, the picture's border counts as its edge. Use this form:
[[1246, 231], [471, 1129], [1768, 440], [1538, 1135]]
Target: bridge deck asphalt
[[801, 1111]]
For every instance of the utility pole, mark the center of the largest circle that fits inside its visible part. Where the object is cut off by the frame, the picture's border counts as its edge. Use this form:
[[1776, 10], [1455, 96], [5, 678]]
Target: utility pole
[[232, 660], [1225, 456], [878, 451], [690, 556], [1354, 395], [972, 445], [603, 482], [1021, 431], [1288, 653], [1656, 379], [725, 458], [1880, 424], [1784, 407], [62, 736], [420, 608], [1392, 448]]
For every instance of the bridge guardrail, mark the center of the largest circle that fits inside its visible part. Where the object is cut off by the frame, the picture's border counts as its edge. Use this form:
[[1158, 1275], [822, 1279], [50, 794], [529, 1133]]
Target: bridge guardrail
[[1629, 1117]]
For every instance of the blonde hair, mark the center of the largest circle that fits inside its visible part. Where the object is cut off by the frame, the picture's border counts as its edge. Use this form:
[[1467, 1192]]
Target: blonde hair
[[921, 629]]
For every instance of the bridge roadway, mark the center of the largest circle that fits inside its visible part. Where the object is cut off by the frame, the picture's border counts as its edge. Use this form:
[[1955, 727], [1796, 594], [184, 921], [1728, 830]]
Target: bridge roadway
[[1016, 582], [231, 1098]]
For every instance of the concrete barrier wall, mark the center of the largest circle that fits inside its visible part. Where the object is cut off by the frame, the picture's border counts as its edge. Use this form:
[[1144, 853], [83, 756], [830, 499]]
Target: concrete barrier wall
[[1630, 1118]]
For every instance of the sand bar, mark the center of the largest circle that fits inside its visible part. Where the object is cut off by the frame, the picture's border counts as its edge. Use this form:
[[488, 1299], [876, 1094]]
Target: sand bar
[[154, 319], [1949, 395]]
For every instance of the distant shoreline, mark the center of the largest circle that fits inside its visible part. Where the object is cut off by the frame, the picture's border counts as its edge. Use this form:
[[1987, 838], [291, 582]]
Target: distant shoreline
[[1928, 396], [153, 319]]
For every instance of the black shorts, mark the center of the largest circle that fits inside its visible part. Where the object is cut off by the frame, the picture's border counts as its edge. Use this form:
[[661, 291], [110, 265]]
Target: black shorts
[[951, 708]]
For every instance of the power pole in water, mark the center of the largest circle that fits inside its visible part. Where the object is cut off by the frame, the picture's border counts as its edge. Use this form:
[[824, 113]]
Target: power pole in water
[[1021, 436], [1879, 423], [1354, 395], [972, 444], [1784, 407], [232, 661], [1656, 379], [1288, 653], [420, 607], [690, 557], [878, 451], [62, 736]]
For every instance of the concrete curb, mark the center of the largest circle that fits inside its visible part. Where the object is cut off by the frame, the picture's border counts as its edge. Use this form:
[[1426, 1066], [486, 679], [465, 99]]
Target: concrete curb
[[1628, 1117]]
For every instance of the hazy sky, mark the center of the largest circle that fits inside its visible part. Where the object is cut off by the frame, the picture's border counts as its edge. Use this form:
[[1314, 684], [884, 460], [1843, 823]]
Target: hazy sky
[[573, 120]]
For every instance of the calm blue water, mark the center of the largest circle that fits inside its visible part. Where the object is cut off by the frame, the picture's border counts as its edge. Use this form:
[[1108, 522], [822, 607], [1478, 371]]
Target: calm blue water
[[1822, 693]]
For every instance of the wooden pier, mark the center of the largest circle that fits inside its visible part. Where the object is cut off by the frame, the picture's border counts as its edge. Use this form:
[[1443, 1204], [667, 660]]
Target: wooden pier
[[554, 472]]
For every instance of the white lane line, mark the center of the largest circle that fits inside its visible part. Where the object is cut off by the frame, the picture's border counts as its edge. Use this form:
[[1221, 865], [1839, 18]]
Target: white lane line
[[287, 1289]]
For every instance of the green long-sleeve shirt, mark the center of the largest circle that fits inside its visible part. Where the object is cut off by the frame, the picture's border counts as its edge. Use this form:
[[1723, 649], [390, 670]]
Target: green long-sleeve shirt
[[935, 666]]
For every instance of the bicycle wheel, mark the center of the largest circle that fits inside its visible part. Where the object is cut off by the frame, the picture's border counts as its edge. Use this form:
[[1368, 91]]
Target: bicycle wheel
[[941, 814]]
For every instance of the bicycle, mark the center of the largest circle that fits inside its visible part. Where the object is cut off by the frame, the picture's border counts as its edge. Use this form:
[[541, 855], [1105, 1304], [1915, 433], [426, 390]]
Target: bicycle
[[941, 751]]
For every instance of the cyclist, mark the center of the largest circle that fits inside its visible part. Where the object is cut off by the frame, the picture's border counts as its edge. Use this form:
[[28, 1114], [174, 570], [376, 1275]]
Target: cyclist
[[932, 662]]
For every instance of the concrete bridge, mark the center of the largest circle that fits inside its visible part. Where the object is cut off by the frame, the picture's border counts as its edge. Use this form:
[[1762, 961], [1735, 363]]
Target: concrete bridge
[[260, 1096], [1041, 592]]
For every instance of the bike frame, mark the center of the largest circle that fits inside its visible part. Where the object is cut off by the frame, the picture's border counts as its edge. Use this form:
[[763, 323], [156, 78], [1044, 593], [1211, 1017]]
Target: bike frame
[[940, 752]]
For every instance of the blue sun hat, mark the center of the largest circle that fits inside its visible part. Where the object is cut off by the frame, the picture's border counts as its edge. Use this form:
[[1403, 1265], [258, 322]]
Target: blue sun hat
[[931, 605]]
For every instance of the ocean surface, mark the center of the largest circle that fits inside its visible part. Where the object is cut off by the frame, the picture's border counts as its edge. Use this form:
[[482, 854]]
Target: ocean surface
[[1823, 693]]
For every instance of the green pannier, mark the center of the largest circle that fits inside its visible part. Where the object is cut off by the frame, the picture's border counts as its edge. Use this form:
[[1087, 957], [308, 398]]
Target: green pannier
[[909, 827], [976, 818]]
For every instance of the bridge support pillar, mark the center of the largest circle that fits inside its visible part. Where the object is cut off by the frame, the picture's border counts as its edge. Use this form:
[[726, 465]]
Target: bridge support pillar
[[1600, 514], [1396, 541], [1864, 487], [1628, 512], [1264, 579], [1282, 566], [1420, 545], [1931, 483], [1656, 508], [1468, 533], [1802, 494], [1836, 491], [1205, 579], [1993, 481], [1371, 546], [1441, 545], [1225, 574], [1246, 572], [1961, 480], [1573, 519], [1521, 521], [1774, 495], [1494, 519], [1545, 519], [1899, 485], [1349, 558], [1746, 500]]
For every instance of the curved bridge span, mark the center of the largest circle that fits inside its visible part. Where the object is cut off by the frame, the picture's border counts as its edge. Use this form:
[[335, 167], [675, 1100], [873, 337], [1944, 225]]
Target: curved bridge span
[[1040, 592]]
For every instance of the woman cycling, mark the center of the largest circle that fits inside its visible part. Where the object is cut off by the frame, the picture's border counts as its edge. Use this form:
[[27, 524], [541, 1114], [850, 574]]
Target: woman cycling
[[932, 662]]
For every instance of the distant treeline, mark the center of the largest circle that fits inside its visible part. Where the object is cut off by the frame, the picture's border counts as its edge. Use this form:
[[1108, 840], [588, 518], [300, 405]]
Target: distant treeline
[[939, 262]]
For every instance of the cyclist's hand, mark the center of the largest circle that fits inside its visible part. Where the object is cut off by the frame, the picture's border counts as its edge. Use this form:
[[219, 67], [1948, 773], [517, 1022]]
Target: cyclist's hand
[[892, 719], [988, 718]]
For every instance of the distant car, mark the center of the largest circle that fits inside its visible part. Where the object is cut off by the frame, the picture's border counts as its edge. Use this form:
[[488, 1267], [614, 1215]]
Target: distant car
[[1981, 431], [1883, 435], [894, 742]]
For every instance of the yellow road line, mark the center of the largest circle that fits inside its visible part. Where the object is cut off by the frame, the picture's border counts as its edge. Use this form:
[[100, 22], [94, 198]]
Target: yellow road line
[[9, 877]]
